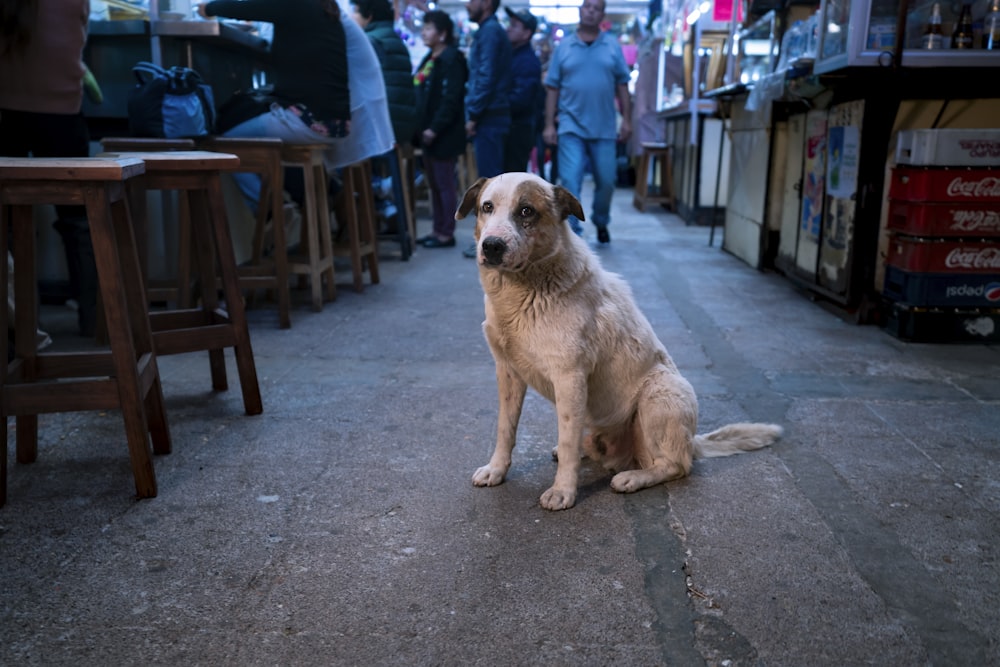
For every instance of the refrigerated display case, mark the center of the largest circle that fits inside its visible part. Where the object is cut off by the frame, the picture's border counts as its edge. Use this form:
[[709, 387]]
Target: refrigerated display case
[[862, 33]]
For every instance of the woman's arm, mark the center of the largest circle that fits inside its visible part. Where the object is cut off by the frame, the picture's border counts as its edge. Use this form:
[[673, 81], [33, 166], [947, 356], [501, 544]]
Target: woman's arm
[[244, 10]]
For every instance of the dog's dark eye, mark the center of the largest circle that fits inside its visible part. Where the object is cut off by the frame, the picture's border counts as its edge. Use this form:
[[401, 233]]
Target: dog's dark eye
[[526, 212], [487, 207]]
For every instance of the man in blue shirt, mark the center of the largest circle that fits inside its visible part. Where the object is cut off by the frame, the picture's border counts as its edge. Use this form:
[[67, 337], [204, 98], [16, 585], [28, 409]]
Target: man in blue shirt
[[586, 75], [487, 103]]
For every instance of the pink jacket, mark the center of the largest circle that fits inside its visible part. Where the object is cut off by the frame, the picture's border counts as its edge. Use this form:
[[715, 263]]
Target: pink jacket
[[47, 76]]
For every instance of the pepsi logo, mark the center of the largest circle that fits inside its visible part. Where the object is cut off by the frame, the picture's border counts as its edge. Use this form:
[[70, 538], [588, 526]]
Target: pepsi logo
[[992, 292]]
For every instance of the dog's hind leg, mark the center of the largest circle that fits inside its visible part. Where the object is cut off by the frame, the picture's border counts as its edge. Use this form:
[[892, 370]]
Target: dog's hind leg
[[666, 421], [512, 390]]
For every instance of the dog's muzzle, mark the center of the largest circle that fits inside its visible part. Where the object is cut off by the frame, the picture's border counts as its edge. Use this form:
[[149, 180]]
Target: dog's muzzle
[[494, 248]]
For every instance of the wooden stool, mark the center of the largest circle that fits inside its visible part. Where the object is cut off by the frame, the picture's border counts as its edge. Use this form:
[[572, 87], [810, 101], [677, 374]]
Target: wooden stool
[[355, 210], [468, 172], [177, 290], [657, 158], [263, 156], [401, 195], [315, 258], [126, 377], [207, 327]]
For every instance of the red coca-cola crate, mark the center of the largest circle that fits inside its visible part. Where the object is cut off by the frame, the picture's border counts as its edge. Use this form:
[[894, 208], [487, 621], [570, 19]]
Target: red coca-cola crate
[[933, 256], [929, 184], [953, 219], [942, 289]]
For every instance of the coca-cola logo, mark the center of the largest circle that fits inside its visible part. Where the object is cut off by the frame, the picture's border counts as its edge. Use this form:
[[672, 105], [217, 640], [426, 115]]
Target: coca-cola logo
[[985, 187], [973, 258], [974, 221], [980, 147]]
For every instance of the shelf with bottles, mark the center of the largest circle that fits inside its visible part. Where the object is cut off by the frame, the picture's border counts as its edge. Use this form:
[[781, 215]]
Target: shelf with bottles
[[862, 33]]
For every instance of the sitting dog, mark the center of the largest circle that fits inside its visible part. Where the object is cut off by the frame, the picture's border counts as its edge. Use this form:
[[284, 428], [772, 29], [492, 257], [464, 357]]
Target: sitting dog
[[556, 321]]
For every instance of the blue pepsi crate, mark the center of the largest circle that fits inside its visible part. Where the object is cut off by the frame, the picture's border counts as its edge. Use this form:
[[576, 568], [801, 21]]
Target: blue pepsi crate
[[942, 325], [946, 290]]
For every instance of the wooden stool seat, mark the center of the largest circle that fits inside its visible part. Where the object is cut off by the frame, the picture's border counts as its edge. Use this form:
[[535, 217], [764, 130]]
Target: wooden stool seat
[[126, 377], [263, 156], [315, 257], [656, 169], [355, 210], [207, 327]]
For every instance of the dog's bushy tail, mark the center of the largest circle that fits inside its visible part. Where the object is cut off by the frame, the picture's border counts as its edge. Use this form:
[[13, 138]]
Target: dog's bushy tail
[[735, 439]]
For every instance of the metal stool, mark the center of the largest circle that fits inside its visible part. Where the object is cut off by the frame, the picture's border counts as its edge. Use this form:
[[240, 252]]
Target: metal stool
[[125, 377]]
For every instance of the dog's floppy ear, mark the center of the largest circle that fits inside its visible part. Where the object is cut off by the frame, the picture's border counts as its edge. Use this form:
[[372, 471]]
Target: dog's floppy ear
[[568, 204], [469, 200]]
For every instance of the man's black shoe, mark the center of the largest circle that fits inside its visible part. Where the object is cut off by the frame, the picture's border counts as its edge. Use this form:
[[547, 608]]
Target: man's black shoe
[[602, 235]]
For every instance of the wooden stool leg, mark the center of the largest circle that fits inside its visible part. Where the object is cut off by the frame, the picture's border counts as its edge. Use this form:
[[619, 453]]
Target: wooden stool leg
[[366, 222], [184, 240], [352, 188], [205, 258], [280, 247], [234, 304], [135, 295], [310, 221], [123, 350], [325, 235], [4, 345], [26, 317]]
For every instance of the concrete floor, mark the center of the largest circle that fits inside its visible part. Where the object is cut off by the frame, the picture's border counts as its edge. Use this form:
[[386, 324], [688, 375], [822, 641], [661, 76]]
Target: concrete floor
[[341, 526]]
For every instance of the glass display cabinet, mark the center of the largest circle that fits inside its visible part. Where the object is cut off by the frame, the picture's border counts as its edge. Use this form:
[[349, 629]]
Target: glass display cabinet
[[756, 49], [862, 33]]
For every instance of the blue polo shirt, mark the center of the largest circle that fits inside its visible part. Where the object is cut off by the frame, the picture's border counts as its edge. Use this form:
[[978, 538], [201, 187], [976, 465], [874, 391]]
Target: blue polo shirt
[[587, 76]]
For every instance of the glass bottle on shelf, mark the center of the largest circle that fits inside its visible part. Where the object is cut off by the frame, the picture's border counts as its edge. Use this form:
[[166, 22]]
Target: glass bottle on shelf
[[933, 37], [962, 37], [991, 27]]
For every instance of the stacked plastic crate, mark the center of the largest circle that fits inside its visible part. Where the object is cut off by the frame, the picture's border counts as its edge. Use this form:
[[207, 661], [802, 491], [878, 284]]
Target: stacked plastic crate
[[942, 273]]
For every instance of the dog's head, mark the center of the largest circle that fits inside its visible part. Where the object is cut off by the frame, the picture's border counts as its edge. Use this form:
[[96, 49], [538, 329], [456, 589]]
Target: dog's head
[[519, 218]]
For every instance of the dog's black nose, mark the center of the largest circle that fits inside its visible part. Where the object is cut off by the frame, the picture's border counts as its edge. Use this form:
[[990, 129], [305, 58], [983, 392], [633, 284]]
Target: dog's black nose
[[493, 249]]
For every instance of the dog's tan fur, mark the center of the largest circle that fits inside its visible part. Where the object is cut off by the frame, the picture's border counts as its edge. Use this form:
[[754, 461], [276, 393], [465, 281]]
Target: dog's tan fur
[[556, 321]]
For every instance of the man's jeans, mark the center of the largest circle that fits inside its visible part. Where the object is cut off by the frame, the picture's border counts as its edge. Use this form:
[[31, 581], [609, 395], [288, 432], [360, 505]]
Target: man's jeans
[[488, 143], [280, 123], [573, 154]]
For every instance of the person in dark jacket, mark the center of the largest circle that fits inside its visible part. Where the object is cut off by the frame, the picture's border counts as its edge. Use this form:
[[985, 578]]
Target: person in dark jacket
[[312, 99], [525, 91], [440, 84], [487, 100], [376, 18]]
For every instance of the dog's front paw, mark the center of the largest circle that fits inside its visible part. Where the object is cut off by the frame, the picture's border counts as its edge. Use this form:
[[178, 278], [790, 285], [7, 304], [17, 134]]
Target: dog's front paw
[[488, 476], [558, 499]]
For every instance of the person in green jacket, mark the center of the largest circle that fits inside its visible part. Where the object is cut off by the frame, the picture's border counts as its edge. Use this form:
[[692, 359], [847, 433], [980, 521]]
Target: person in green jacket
[[376, 18]]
